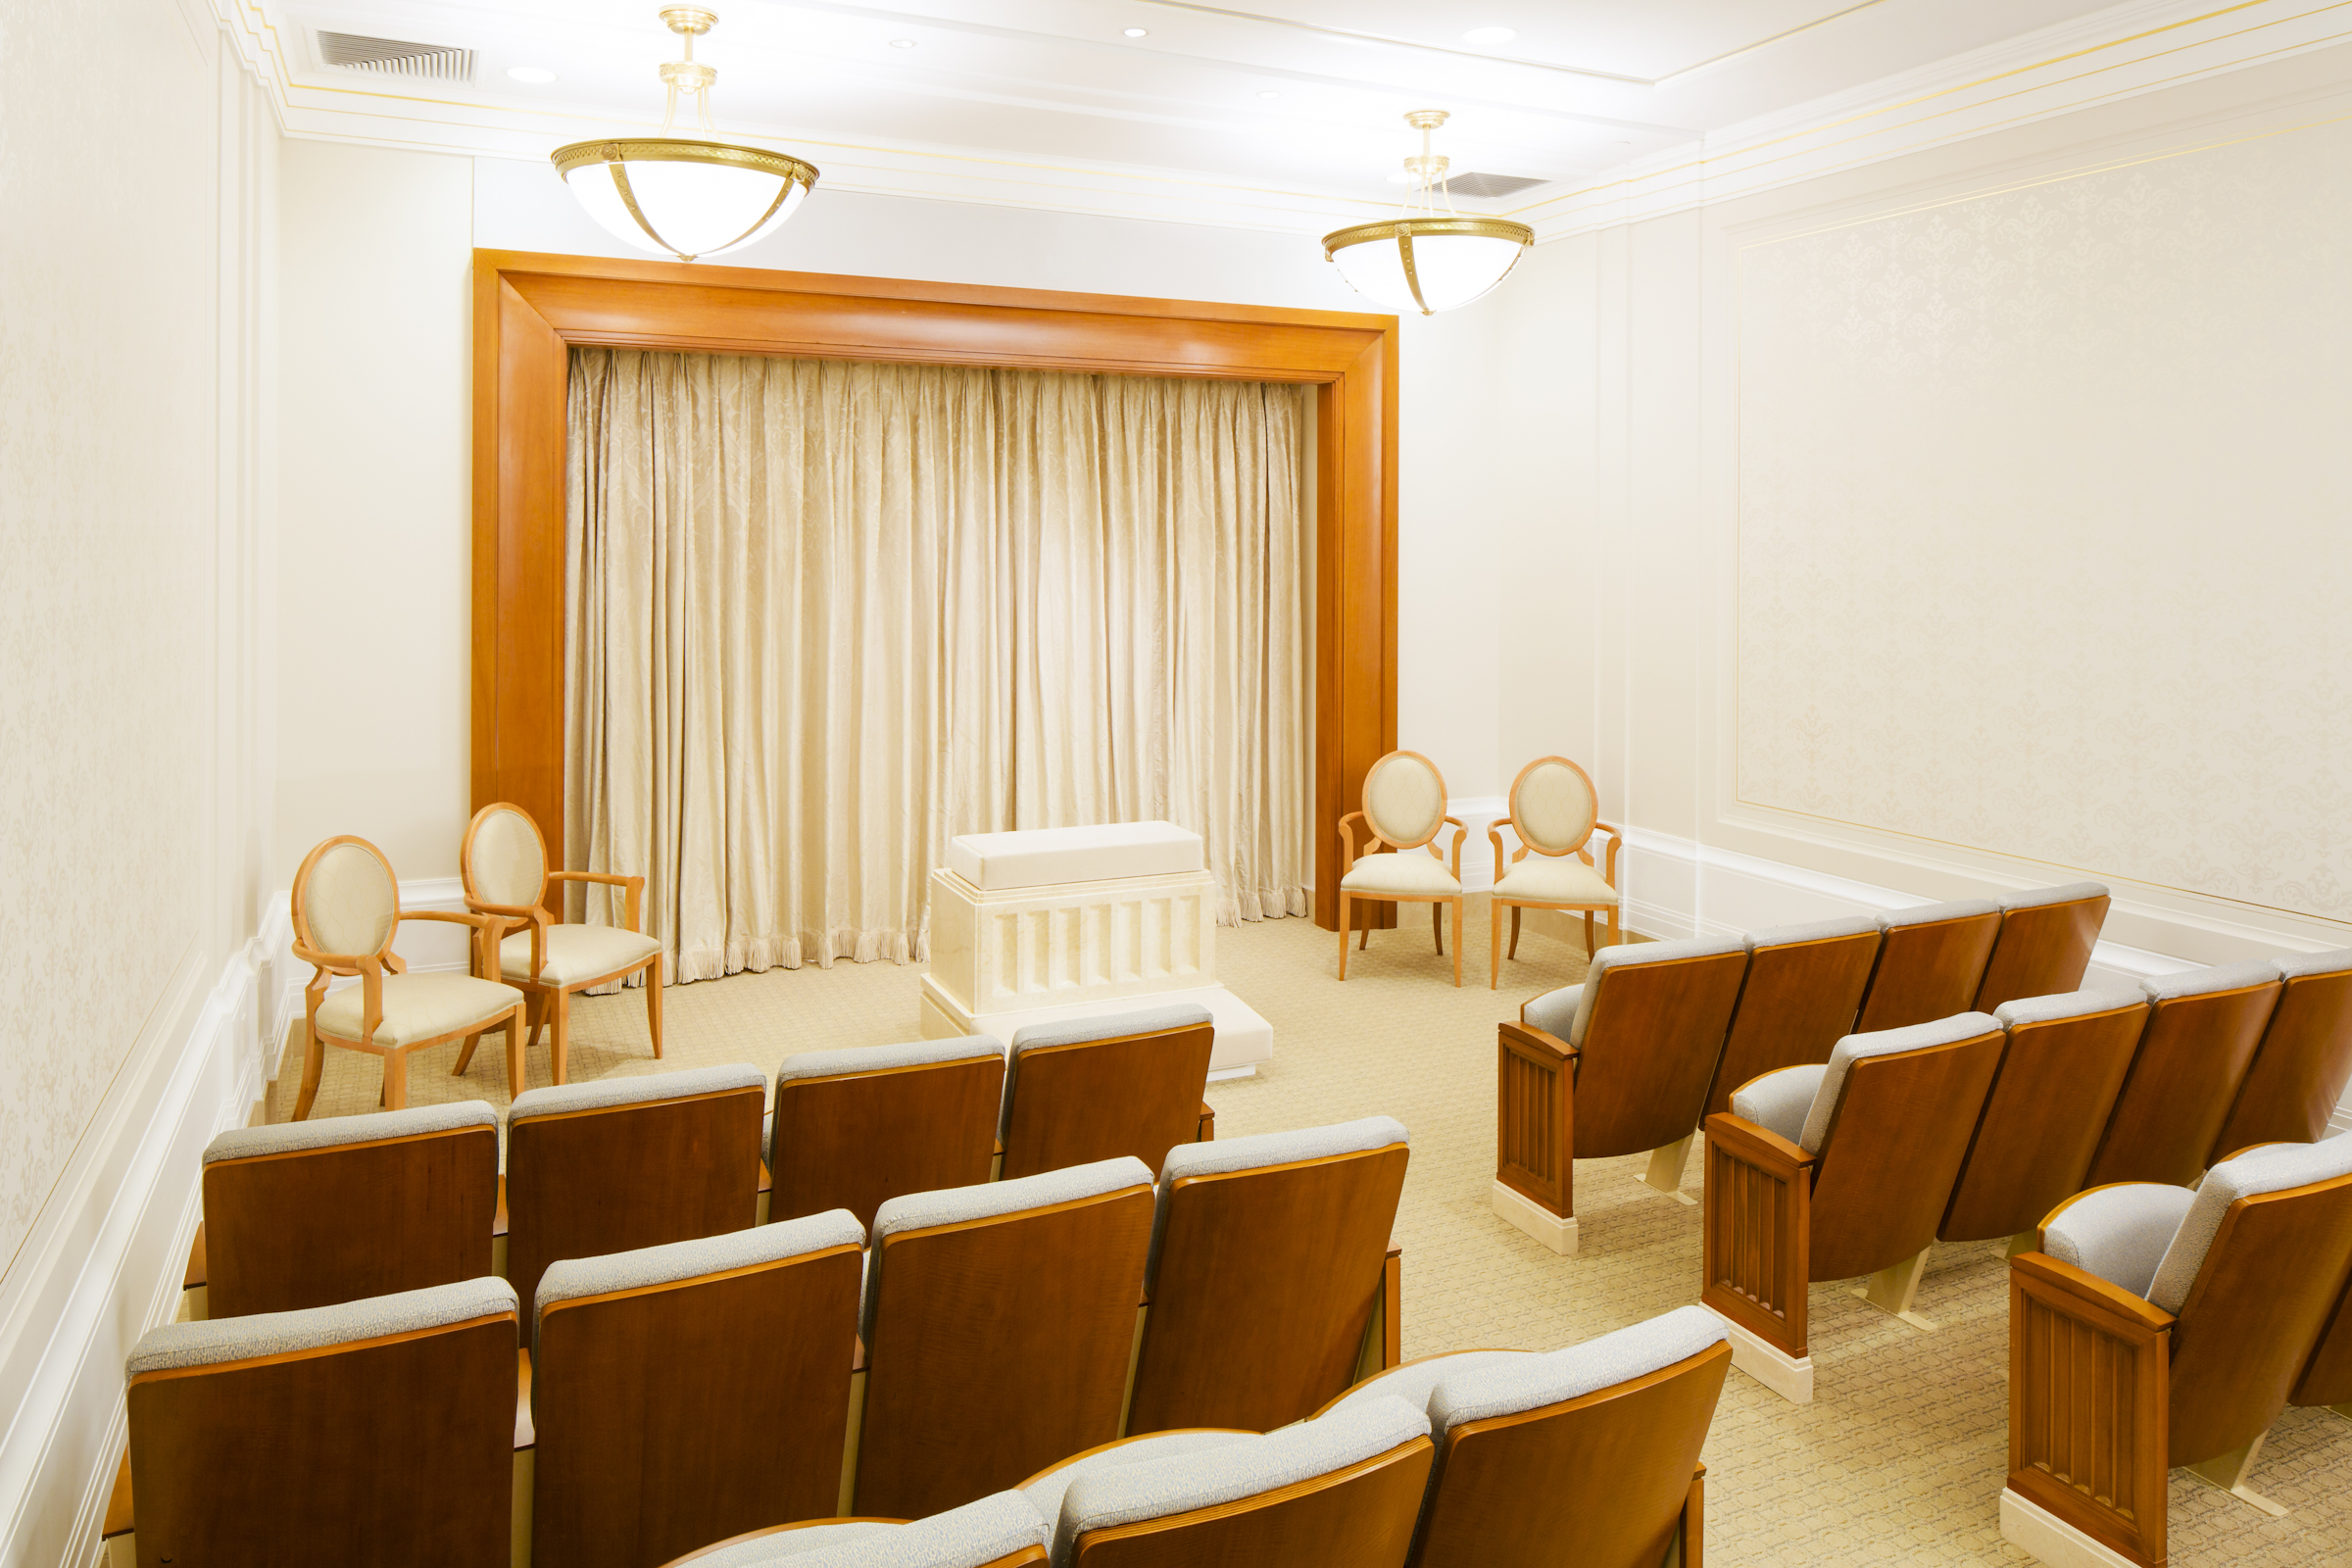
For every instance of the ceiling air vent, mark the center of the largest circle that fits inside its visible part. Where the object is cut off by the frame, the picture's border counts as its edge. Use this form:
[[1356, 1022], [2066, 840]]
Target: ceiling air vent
[[394, 57], [1488, 186]]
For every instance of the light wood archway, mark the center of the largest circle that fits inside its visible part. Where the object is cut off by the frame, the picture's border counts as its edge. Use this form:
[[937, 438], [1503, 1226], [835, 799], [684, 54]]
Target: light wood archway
[[528, 309]]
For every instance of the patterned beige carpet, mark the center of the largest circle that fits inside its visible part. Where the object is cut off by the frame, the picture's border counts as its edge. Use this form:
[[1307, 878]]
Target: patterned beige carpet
[[1901, 1456]]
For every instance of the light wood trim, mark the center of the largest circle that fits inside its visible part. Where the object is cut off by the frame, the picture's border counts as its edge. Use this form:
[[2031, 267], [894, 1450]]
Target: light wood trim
[[2088, 1398], [1758, 1229], [529, 310], [1535, 1117]]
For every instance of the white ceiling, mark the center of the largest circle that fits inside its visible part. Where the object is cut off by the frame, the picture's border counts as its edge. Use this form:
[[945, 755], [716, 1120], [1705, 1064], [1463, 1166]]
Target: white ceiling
[[1296, 102]]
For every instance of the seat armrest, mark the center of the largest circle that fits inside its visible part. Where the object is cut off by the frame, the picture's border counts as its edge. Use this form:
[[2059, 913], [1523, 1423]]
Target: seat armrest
[[498, 1221], [119, 1512], [1757, 1224], [192, 1278], [1760, 1146], [2079, 1294], [1539, 1042], [525, 1435]]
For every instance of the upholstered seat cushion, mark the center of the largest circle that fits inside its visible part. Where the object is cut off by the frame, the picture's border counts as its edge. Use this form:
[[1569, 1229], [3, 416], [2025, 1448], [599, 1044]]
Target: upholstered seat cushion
[[330, 1132], [1409, 871], [2119, 1233], [1045, 1491], [646, 1267], [259, 1334], [2068, 893], [2068, 1004], [419, 1006], [1555, 1011], [1415, 1380], [2329, 960], [1936, 913], [1779, 1101], [1550, 879], [576, 952], [1791, 936], [976, 1533], [2240, 976], [608, 1094]]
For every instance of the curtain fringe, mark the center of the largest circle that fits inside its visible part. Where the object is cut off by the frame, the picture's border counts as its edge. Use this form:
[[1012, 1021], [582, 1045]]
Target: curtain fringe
[[758, 954]]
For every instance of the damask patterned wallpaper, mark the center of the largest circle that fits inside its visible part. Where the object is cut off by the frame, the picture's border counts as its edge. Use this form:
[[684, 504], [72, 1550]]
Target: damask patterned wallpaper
[[2045, 522], [108, 422]]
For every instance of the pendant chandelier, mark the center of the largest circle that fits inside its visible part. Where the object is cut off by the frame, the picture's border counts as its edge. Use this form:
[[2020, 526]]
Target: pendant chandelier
[[676, 195], [1425, 260]]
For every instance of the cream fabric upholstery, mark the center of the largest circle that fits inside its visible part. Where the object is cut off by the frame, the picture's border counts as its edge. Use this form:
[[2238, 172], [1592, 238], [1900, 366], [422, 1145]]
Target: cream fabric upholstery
[[419, 1006], [350, 903], [2119, 1233], [1404, 799], [1566, 880], [507, 865], [576, 952], [1413, 871], [2270, 1168], [1780, 1101], [1554, 808]]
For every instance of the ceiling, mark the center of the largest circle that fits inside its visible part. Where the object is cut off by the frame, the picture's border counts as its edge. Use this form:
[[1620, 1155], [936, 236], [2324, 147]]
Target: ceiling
[[1296, 102]]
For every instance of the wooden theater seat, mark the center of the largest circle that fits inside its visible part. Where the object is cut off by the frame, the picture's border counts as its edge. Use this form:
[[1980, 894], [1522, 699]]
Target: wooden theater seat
[[856, 1126], [2065, 1058], [1093, 1089], [2044, 944], [1803, 988], [1268, 1270], [1613, 1066], [376, 1433], [2300, 1068], [627, 1162], [310, 1214], [1930, 963], [1340, 1491], [1004, 1531], [2202, 1030], [2160, 1327], [1586, 1458], [692, 1392], [999, 1323], [1826, 1173]]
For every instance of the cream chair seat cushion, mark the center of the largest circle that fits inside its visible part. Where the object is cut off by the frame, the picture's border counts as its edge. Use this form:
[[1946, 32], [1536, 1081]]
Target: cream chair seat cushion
[[576, 953], [419, 1006], [1410, 871], [1548, 880]]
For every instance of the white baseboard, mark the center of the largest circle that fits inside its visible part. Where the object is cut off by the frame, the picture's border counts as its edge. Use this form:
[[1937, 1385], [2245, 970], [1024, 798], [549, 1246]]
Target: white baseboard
[[1789, 1376], [430, 948], [103, 1263], [1540, 1222], [2038, 1533]]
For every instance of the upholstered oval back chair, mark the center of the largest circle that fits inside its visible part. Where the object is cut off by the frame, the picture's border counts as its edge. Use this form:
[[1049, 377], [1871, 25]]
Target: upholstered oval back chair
[[346, 907], [1555, 811], [1404, 808], [504, 864]]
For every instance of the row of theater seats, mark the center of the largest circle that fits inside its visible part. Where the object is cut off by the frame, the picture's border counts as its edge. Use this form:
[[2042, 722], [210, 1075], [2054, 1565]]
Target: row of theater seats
[[415, 1197], [412, 1429], [758, 1375]]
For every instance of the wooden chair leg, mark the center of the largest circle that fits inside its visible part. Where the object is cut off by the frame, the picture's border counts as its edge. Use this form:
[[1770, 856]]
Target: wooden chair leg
[[465, 1056], [1437, 926], [514, 1037], [653, 1003], [1514, 950], [536, 1001], [1458, 940], [1364, 916], [1493, 943], [314, 1059], [396, 1080], [1343, 935], [558, 1006], [1615, 935], [1587, 934]]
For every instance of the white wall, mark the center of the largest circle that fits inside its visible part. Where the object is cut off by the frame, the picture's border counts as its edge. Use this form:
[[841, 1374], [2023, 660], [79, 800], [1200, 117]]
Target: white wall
[[2050, 414], [135, 479]]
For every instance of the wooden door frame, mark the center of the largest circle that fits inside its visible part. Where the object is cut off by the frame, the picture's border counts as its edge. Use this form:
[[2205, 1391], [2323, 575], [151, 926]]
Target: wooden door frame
[[529, 310]]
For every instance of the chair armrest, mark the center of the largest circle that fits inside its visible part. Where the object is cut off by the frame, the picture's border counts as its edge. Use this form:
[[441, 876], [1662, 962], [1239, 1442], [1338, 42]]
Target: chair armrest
[[1616, 840], [331, 962], [1495, 837], [2079, 1294], [1347, 840], [635, 885], [487, 928], [193, 1276], [120, 1515], [1757, 1225], [1460, 832], [516, 915], [1757, 1145], [526, 1436], [1539, 1042]]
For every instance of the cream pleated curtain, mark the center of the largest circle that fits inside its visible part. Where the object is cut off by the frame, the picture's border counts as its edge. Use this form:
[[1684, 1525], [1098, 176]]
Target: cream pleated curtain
[[823, 616]]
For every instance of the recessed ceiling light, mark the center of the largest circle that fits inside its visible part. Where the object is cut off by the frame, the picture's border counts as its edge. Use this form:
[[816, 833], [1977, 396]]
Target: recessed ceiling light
[[1138, 33], [1269, 95], [1486, 37], [902, 43], [535, 75]]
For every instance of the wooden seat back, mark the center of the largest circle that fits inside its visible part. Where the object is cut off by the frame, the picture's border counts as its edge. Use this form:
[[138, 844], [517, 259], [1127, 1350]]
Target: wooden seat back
[[2305, 1058], [998, 1343], [1263, 1286], [627, 1162], [1595, 1482], [1075, 1101], [2327, 1378], [686, 1398], [2050, 1100], [2186, 1075], [390, 1443], [1360, 1516], [1930, 965], [1799, 998], [2044, 943], [2261, 1302], [1649, 1049], [1896, 1139], [312, 1213], [846, 1135]]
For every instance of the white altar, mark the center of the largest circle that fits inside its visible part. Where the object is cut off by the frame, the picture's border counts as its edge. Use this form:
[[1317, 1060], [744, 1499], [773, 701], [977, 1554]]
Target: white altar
[[1051, 924]]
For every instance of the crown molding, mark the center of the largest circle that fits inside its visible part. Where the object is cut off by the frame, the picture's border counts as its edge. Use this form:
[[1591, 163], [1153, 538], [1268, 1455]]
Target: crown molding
[[2120, 52]]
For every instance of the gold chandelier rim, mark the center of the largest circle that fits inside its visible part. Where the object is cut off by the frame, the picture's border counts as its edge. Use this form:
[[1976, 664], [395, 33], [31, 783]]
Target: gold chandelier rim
[[682, 150], [1339, 239]]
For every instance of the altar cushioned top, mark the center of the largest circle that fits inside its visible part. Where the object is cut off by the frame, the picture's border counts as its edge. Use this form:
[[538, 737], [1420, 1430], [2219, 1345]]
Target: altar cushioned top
[[1036, 857]]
